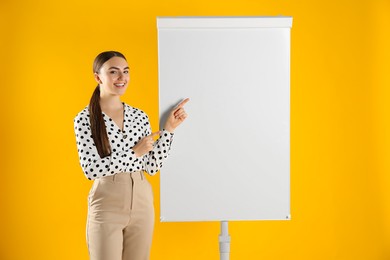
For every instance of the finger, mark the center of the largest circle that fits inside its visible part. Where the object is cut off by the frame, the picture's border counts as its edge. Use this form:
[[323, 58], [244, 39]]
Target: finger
[[154, 134], [183, 117], [181, 104], [180, 114], [178, 110]]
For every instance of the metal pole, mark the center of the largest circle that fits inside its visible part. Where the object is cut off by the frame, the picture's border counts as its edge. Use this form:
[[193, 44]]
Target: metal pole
[[224, 241]]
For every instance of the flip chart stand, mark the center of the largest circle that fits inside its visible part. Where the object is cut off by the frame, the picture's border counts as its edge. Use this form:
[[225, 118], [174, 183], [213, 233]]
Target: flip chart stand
[[224, 241]]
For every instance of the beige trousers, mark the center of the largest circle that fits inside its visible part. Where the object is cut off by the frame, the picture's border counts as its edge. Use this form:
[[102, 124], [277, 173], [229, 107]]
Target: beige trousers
[[120, 217]]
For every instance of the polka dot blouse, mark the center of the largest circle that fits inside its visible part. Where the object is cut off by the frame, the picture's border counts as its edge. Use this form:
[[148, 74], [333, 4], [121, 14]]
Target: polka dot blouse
[[122, 158]]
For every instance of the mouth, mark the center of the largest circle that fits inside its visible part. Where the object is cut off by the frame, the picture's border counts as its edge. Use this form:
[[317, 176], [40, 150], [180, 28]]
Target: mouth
[[119, 85]]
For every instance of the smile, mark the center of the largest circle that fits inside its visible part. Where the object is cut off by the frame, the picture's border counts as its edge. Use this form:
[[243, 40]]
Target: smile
[[121, 85]]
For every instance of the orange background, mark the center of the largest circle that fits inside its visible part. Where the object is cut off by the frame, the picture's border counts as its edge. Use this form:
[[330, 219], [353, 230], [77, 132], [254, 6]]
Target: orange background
[[340, 142]]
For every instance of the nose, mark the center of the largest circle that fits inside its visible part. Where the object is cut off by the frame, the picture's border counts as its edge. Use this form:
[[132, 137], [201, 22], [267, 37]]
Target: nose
[[122, 75]]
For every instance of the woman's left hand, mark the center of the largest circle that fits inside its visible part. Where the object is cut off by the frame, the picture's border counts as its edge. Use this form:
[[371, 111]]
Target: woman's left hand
[[176, 117]]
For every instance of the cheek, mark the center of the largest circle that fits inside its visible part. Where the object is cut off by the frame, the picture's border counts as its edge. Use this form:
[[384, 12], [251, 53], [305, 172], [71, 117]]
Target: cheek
[[110, 79], [105, 78]]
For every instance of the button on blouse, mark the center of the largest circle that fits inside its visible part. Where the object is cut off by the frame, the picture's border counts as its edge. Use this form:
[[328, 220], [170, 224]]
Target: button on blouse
[[122, 158]]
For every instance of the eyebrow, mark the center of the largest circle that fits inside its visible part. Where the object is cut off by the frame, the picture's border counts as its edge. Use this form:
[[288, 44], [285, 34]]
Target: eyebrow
[[117, 68]]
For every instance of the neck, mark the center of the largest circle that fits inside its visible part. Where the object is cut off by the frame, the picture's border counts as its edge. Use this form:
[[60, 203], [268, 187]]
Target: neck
[[110, 103]]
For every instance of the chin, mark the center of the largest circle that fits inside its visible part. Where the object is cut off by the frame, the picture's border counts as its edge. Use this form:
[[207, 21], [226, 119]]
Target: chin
[[118, 90]]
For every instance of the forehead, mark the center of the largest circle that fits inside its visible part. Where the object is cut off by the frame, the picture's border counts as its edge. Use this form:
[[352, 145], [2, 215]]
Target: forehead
[[115, 62]]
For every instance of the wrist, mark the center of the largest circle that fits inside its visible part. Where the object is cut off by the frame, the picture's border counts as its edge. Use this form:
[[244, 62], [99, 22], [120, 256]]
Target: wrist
[[134, 152], [170, 130]]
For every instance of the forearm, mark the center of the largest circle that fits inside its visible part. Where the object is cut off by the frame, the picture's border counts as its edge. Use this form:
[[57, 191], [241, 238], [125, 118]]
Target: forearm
[[154, 160]]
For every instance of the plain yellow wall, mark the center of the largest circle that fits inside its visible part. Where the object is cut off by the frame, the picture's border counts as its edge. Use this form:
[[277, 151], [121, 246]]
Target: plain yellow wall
[[340, 126]]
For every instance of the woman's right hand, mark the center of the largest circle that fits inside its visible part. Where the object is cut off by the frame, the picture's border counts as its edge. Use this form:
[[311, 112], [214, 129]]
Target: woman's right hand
[[144, 145]]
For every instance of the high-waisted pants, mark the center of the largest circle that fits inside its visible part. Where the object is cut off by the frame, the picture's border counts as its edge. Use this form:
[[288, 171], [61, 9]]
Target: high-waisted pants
[[120, 217]]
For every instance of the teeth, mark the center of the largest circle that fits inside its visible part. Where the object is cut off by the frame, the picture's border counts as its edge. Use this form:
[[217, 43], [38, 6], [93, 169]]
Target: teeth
[[119, 85]]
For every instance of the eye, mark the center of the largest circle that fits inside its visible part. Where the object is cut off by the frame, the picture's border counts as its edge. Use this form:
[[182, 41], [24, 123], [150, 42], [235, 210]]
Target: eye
[[126, 72]]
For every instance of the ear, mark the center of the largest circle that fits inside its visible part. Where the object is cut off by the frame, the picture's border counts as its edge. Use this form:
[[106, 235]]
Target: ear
[[97, 78]]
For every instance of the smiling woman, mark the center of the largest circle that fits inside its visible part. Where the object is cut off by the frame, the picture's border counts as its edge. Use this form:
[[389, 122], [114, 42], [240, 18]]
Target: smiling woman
[[114, 72], [107, 71], [115, 146]]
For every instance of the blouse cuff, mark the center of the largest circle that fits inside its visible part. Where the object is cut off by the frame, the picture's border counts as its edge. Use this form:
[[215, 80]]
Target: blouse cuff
[[167, 132]]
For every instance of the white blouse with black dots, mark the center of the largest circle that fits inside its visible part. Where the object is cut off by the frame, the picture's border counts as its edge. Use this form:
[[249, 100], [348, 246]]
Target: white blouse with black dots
[[122, 158]]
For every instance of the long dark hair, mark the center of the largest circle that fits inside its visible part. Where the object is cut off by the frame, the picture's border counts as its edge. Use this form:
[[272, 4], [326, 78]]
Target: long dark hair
[[98, 127]]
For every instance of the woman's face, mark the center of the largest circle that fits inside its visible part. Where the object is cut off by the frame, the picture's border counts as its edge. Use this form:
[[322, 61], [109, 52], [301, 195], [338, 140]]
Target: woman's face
[[113, 76]]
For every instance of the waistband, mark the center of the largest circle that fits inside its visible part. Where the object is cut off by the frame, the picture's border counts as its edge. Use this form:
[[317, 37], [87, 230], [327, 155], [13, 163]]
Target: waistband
[[124, 177]]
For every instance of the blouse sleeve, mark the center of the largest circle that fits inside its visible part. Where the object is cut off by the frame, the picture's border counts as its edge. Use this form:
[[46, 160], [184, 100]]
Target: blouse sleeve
[[91, 163], [153, 160]]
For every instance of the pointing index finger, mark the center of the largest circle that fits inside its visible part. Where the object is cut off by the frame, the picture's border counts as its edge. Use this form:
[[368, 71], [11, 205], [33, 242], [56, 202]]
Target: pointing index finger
[[181, 104], [154, 134]]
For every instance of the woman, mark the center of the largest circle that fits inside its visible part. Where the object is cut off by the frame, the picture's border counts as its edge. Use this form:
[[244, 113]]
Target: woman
[[115, 145]]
